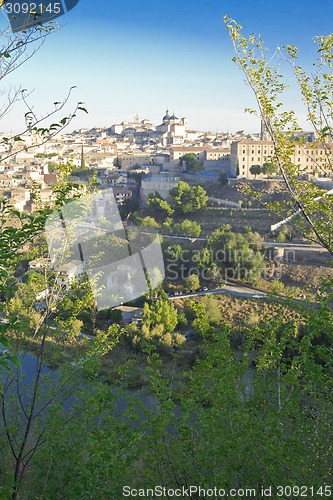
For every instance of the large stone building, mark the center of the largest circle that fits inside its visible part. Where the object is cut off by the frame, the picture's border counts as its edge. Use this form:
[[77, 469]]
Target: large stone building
[[127, 160], [212, 159], [246, 153], [172, 130], [158, 182], [310, 157]]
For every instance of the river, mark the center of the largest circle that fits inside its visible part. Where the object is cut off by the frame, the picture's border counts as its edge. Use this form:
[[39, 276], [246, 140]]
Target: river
[[20, 382]]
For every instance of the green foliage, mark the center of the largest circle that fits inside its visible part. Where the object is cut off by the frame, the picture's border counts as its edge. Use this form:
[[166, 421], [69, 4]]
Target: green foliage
[[188, 199], [178, 340], [22, 304], [129, 206], [255, 170], [229, 423], [45, 155], [161, 312], [147, 222], [266, 169], [52, 166], [71, 327], [167, 224], [281, 237], [200, 323], [276, 287], [269, 168], [255, 240], [311, 210], [191, 283], [232, 253], [173, 252], [285, 233], [293, 292], [187, 228], [17, 229], [182, 320], [259, 416], [158, 205], [211, 306], [114, 315], [191, 162]]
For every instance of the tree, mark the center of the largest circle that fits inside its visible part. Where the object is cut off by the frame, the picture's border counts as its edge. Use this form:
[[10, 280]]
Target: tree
[[188, 228], [281, 237], [269, 169], [276, 287], [309, 209], [232, 254], [191, 162], [191, 283], [161, 312], [188, 199], [255, 170], [173, 253], [211, 305], [21, 437], [244, 422], [255, 240], [201, 323], [157, 204], [129, 206], [148, 222]]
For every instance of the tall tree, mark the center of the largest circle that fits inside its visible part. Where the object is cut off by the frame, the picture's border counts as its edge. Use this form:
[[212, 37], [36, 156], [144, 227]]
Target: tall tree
[[157, 204], [187, 199], [255, 170], [309, 209]]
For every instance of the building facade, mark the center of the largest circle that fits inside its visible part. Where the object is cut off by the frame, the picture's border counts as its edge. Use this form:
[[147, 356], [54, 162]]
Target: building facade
[[310, 157]]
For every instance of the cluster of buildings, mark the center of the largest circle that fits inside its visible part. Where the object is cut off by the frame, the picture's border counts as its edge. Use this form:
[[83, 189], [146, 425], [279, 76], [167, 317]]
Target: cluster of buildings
[[125, 149]]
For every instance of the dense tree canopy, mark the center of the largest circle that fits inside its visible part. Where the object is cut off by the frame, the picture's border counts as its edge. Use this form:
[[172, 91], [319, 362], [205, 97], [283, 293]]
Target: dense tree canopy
[[158, 205], [187, 199], [191, 162]]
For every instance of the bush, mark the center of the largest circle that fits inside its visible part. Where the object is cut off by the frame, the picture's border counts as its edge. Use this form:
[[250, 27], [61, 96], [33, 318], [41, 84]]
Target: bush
[[191, 283], [178, 340], [276, 287]]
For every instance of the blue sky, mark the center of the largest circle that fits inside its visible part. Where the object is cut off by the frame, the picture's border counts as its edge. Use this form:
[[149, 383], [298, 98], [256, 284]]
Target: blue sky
[[141, 56]]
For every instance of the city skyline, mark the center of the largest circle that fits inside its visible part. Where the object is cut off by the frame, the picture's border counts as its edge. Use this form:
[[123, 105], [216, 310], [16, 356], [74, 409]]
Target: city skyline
[[127, 58]]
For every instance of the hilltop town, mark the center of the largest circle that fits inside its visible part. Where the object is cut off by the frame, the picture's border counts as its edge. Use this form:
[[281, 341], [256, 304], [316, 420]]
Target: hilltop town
[[160, 155], [166, 279]]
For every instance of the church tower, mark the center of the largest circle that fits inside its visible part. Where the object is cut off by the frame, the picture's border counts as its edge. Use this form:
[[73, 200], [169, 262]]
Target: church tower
[[167, 117]]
